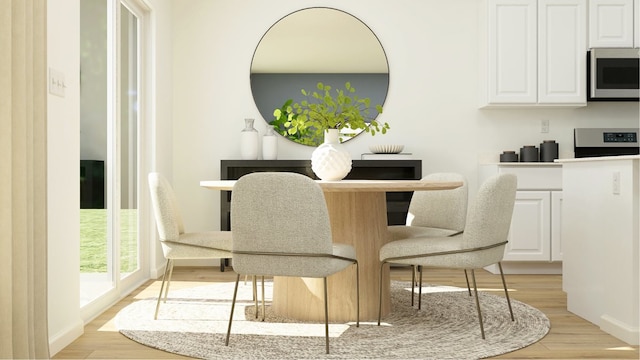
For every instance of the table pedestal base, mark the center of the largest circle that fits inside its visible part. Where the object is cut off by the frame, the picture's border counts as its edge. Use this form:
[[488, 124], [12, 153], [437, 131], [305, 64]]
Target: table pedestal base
[[358, 219]]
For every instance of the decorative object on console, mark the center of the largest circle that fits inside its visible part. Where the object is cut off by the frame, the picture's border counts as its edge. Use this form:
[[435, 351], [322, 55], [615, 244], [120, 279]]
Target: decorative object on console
[[269, 145], [386, 156], [249, 141], [330, 161], [529, 153], [548, 151], [386, 149], [508, 156]]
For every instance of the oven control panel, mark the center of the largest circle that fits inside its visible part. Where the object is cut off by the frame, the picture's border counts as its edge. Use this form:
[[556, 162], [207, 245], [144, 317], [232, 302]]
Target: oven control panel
[[620, 137]]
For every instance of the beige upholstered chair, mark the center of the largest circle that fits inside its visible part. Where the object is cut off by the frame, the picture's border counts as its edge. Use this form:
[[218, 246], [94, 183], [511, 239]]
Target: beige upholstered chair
[[280, 226], [434, 214], [481, 244], [176, 243]]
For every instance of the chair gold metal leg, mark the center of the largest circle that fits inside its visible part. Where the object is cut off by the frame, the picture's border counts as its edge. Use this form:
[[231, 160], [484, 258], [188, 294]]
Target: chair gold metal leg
[[166, 290], [467, 278], [263, 307], [475, 289], [420, 289], [164, 278], [357, 295], [506, 293], [326, 316], [255, 294], [233, 305], [413, 283], [380, 294]]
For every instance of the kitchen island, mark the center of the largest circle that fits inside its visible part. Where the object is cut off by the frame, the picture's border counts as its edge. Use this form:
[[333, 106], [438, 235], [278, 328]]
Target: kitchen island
[[601, 251]]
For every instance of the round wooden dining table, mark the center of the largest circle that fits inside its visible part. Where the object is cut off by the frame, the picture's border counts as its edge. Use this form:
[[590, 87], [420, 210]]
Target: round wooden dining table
[[358, 215]]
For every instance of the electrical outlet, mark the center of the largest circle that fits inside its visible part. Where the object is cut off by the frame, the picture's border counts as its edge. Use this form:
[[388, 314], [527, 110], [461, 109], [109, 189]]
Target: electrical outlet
[[616, 183], [544, 126], [56, 82]]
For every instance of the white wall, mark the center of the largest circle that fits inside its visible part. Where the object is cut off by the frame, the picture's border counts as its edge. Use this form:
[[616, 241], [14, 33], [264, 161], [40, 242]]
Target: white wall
[[63, 36], [432, 106]]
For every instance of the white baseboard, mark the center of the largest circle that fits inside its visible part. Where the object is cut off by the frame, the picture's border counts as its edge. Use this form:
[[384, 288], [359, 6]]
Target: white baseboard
[[65, 337], [622, 331]]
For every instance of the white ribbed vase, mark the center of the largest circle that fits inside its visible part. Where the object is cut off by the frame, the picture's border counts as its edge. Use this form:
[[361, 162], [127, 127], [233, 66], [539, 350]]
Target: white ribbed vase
[[330, 161]]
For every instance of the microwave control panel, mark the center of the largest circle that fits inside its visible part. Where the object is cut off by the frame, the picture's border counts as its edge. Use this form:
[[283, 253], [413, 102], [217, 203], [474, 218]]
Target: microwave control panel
[[620, 137]]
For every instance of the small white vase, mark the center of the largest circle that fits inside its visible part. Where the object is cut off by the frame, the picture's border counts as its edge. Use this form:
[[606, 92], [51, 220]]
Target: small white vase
[[270, 144], [330, 161], [249, 141]]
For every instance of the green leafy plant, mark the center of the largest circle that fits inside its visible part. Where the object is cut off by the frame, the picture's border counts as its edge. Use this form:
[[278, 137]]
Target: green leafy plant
[[287, 124], [306, 122]]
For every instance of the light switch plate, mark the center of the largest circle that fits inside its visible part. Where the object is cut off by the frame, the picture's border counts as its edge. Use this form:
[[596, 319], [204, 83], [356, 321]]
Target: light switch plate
[[56, 82]]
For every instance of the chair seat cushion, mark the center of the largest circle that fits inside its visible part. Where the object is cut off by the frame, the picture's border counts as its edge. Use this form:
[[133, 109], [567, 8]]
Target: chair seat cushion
[[428, 245], [344, 250], [399, 232], [420, 245], [199, 245], [220, 240]]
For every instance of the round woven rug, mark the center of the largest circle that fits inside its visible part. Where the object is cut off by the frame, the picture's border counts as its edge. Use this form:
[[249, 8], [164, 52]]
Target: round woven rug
[[193, 322]]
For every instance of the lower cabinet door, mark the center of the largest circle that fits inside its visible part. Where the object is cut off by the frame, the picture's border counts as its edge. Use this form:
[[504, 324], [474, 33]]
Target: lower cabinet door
[[530, 232], [556, 226]]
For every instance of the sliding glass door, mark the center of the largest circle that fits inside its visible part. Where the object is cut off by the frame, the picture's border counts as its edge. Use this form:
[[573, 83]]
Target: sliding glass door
[[112, 158]]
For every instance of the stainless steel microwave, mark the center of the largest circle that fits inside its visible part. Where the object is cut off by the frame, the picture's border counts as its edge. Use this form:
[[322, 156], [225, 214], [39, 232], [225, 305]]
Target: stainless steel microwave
[[614, 74]]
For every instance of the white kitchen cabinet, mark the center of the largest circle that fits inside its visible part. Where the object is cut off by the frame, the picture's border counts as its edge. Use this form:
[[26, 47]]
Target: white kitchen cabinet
[[535, 228], [512, 56], [530, 232], [562, 48], [535, 242], [536, 53], [636, 23], [611, 23], [556, 225]]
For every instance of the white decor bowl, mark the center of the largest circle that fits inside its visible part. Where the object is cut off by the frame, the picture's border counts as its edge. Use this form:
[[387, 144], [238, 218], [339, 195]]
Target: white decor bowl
[[386, 149]]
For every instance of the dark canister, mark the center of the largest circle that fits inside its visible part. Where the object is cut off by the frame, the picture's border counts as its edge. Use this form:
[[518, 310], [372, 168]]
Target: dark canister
[[529, 153], [548, 151], [508, 156]]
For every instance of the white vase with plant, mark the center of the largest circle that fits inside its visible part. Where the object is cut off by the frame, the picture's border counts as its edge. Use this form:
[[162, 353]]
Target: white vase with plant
[[331, 161]]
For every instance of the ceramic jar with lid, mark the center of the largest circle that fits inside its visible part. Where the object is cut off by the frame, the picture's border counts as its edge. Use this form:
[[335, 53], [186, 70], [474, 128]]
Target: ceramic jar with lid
[[529, 153], [548, 151], [508, 156]]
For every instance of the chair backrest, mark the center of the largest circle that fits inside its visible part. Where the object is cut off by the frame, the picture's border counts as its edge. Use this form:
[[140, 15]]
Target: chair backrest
[[490, 214], [165, 208], [278, 212], [445, 209]]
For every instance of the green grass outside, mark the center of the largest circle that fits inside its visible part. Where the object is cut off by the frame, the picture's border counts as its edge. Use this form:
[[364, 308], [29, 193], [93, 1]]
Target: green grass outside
[[93, 240]]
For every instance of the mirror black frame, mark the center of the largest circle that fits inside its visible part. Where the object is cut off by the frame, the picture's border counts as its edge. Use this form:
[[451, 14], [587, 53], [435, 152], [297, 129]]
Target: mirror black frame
[[271, 90]]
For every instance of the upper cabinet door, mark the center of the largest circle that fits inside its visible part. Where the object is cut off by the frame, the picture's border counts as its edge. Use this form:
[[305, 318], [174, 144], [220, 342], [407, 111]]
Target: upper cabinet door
[[562, 48], [636, 23], [611, 23], [512, 72]]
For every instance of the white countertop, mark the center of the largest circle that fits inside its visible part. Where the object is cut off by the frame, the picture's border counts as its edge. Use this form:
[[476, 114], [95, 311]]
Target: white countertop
[[600, 158]]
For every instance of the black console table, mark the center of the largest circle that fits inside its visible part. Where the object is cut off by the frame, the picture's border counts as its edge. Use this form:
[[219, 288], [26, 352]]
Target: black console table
[[397, 202]]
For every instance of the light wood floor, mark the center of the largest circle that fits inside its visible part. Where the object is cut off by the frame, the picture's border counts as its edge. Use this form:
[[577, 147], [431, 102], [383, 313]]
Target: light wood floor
[[570, 337]]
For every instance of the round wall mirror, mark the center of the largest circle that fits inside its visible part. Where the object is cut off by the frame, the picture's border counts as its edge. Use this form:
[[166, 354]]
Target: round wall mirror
[[317, 45]]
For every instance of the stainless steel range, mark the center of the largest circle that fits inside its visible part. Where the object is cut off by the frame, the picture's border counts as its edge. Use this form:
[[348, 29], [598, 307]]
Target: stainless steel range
[[594, 142]]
